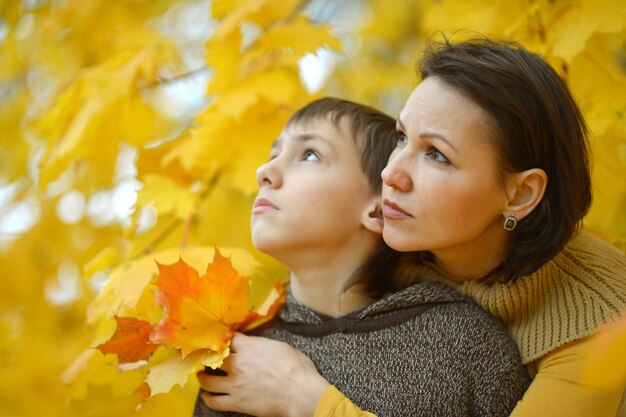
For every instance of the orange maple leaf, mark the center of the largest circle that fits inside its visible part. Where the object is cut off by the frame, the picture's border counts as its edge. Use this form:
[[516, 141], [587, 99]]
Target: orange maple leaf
[[201, 312], [267, 311], [131, 340]]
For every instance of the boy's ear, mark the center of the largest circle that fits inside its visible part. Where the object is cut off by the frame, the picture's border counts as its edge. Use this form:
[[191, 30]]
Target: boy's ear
[[373, 216], [525, 191]]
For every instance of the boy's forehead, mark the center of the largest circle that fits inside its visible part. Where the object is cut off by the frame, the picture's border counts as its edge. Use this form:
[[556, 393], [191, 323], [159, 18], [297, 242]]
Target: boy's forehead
[[320, 128]]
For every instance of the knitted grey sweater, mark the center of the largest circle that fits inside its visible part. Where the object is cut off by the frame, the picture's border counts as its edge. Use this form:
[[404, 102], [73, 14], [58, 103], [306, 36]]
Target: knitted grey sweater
[[423, 351]]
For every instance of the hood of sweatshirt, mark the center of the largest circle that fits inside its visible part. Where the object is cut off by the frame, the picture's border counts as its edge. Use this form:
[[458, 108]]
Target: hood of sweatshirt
[[393, 309]]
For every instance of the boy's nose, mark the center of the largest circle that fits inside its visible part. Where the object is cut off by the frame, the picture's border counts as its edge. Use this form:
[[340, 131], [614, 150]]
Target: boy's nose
[[267, 175]]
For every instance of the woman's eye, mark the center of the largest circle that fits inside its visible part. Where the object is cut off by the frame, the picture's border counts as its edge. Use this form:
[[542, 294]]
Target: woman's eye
[[436, 155], [402, 141], [310, 155]]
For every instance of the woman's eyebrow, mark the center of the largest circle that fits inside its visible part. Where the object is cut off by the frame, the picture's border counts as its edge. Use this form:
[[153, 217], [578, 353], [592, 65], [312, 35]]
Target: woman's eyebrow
[[425, 135]]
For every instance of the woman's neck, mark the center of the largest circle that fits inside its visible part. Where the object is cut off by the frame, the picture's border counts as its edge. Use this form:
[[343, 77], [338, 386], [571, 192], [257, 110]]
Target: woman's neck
[[472, 261]]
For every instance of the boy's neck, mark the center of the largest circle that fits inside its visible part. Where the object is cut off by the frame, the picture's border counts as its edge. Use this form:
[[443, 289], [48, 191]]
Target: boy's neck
[[330, 300], [321, 284]]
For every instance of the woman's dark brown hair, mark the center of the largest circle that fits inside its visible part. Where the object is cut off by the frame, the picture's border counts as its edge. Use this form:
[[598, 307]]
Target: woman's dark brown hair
[[535, 123]]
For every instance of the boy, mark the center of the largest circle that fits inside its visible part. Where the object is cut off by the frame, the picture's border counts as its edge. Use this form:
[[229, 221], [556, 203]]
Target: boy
[[425, 350]]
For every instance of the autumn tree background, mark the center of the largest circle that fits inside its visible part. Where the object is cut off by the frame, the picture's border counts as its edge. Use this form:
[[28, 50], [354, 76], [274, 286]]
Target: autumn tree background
[[131, 129]]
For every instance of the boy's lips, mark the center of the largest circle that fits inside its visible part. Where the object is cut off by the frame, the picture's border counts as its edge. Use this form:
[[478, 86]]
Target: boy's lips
[[262, 204], [393, 211]]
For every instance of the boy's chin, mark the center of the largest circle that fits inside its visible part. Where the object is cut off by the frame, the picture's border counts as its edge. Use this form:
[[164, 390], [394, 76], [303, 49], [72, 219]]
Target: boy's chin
[[265, 245]]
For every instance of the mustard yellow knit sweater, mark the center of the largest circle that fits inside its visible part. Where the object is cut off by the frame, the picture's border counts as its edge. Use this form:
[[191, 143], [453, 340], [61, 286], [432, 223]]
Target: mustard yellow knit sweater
[[569, 298]]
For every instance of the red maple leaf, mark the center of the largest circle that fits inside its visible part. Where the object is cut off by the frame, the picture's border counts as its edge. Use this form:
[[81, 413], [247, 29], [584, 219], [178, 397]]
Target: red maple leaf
[[131, 340]]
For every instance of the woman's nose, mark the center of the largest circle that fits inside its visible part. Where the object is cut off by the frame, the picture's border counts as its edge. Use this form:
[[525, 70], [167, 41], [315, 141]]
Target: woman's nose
[[395, 175], [268, 175]]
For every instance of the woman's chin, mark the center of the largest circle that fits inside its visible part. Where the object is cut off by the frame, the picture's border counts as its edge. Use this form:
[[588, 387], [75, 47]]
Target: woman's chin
[[398, 242]]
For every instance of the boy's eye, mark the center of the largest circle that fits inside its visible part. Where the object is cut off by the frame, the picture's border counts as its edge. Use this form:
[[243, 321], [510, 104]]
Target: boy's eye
[[402, 141], [436, 155], [310, 155]]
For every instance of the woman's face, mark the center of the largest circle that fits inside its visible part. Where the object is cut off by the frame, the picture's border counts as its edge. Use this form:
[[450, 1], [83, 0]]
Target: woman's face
[[441, 190]]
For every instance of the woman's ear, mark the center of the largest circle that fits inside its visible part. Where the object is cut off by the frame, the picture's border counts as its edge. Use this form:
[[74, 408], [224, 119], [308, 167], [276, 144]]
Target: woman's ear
[[525, 191], [373, 216]]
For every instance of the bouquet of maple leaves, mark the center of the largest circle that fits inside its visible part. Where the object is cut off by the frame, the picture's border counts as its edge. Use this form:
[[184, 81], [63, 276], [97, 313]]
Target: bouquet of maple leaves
[[202, 313]]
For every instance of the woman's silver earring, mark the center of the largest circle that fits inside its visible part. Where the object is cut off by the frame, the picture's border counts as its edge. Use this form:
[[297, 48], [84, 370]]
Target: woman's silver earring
[[510, 222]]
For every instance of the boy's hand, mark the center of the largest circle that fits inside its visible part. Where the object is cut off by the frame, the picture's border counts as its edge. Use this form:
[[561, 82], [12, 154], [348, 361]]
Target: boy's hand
[[265, 378]]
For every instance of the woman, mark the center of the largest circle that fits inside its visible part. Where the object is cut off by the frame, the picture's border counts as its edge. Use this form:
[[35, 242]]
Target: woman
[[488, 185]]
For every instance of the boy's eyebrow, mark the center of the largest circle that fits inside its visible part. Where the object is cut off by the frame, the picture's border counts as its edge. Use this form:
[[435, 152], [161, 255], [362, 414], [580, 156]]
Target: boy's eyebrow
[[424, 135], [277, 142], [304, 137]]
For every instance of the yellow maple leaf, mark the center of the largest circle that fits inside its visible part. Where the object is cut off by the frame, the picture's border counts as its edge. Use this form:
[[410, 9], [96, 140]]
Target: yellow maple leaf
[[576, 22], [277, 86], [603, 96], [14, 148], [93, 368], [394, 24], [298, 37], [232, 14], [167, 196], [223, 56], [104, 103], [177, 369], [271, 12], [235, 148], [468, 18], [203, 148], [107, 257]]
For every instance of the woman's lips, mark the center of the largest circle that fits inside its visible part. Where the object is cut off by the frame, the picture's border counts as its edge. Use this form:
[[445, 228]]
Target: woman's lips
[[393, 211], [262, 205]]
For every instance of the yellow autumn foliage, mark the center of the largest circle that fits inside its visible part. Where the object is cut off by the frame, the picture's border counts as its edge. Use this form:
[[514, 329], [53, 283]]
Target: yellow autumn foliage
[[85, 90]]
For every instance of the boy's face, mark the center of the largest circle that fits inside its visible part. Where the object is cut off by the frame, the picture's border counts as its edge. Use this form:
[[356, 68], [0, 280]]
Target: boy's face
[[313, 193]]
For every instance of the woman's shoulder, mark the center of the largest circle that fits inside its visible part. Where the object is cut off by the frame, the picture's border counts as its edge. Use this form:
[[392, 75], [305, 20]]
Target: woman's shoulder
[[590, 267], [569, 298], [586, 254], [587, 271]]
